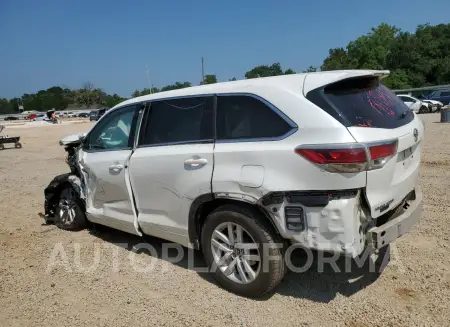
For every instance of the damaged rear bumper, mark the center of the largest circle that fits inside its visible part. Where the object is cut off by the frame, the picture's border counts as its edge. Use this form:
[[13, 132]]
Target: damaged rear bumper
[[393, 229]]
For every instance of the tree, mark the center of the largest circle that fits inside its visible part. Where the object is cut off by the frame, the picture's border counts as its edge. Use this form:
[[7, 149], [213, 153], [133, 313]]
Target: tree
[[135, 93], [310, 69], [6, 107], [289, 71], [176, 86], [210, 79], [111, 100], [232, 79], [265, 71], [337, 59], [88, 95]]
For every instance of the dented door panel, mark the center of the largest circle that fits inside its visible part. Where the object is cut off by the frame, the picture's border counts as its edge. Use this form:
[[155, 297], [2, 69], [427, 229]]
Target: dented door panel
[[108, 198]]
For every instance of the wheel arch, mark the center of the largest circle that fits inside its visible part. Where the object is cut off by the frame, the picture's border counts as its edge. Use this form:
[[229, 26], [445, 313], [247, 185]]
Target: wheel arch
[[203, 205], [54, 189]]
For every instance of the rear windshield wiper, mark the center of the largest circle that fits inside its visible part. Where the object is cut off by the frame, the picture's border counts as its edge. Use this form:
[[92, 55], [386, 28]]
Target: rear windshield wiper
[[404, 114]]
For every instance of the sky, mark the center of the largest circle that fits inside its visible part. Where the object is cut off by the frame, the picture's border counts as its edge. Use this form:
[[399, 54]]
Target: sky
[[46, 43]]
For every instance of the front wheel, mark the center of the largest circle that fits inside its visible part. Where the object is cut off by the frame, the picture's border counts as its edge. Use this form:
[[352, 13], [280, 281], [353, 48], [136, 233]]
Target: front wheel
[[18, 145], [243, 252], [69, 212], [423, 110]]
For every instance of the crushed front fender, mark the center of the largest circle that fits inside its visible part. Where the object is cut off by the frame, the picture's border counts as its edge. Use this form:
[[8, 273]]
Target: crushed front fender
[[53, 190]]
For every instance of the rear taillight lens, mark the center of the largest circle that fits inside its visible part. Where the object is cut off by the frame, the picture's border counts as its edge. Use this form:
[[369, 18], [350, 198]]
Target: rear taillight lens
[[349, 158], [381, 153]]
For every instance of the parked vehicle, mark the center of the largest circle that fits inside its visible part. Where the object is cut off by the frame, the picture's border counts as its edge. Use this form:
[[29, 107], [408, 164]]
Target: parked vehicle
[[83, 115], [443, 96], [40, 117], [415, 104], [11, 118], [241, 170], [96, 114], [31, 117], [435, 105]]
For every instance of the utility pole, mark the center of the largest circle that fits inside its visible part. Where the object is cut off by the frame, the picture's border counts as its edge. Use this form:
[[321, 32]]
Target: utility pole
[[148, 78], [203, 73]]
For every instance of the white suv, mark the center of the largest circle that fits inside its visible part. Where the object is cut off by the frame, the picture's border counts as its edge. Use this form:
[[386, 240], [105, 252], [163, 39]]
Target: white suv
[[241, 170]]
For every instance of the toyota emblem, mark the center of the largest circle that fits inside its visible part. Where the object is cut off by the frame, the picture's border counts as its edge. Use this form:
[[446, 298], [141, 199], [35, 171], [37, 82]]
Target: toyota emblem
[[416, 134]]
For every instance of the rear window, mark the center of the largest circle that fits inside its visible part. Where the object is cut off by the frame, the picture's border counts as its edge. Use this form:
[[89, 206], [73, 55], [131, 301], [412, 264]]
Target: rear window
[[363, 102]]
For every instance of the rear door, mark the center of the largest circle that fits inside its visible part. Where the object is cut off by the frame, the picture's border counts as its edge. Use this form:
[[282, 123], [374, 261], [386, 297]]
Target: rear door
[[373, 114], [172, 164]]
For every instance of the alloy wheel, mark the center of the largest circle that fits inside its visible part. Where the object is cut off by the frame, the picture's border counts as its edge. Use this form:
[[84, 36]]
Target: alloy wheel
[[235, 253]]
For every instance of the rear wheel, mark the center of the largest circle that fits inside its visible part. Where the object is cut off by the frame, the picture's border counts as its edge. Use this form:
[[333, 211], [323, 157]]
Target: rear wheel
[[243, 252], [18, 145], [2, 146], [69, 212]]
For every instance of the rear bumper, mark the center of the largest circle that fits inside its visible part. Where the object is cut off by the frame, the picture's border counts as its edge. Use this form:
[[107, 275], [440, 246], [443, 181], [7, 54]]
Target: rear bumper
[[393, 229]]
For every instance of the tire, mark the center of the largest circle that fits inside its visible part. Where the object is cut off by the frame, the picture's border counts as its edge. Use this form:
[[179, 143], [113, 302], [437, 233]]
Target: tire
[[69, 211], [423, 110], [2, 146], [257, 230], [18, 145]]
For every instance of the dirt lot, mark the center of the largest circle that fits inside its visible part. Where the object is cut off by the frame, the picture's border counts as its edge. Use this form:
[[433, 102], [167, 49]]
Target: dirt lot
[[413, 291]]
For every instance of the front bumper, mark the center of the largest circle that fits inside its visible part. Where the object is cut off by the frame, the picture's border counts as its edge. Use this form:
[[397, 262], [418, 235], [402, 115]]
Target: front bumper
[[393, 229]]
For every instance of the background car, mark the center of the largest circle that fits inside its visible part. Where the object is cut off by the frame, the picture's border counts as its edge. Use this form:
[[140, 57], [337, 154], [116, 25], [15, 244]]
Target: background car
[[40, 117], [12, 118], [96, 114], [31, 117], [443, 96], [435, 105], [415, 104], [83, 115]]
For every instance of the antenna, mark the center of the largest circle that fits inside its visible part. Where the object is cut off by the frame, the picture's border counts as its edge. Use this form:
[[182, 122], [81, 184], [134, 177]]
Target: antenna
[[148, 78]]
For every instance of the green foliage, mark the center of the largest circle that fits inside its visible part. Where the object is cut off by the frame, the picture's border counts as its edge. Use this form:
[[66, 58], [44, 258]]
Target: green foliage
[[311, 69], [176, 86], [414, 59], [88, 96], [112, 100], [265, 71], [210, 79], [289, 71]]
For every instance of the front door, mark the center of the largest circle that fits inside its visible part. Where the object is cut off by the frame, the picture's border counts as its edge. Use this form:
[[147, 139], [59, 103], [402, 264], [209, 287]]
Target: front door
[[172, 165], [104, 163]]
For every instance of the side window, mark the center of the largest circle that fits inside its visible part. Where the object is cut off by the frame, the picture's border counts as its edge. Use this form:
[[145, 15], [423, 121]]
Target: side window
[[245, 117], [435, 94], [179, 121], [115, 131], [404, 99], [445, 93]]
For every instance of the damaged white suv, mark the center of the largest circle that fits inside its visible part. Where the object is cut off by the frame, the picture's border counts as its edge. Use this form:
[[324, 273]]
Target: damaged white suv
[[327, 160]]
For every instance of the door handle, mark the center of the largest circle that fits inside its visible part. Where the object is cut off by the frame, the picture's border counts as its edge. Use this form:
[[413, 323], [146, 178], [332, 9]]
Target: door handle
[[196, 162], [116, 167]]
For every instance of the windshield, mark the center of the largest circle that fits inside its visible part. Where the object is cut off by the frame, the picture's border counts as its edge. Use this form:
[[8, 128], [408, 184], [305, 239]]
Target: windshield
[[363, 102]]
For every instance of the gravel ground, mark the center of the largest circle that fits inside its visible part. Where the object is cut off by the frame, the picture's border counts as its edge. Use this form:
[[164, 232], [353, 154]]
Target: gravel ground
[[413, 291]]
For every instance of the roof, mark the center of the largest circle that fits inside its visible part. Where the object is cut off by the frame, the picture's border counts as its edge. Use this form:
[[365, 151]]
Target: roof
[[294, 82]]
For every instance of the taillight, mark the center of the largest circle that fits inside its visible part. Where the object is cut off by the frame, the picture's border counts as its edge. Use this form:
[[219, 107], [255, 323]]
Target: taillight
[[349, 158], [380, 153]]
